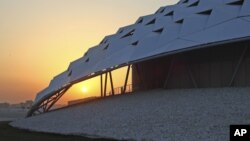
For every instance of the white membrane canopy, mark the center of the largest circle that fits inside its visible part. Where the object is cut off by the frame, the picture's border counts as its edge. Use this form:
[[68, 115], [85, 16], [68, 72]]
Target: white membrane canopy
[[186, 25]]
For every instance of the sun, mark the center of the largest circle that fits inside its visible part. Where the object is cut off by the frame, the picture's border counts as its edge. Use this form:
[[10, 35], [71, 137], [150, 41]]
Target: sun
[[84, 89]]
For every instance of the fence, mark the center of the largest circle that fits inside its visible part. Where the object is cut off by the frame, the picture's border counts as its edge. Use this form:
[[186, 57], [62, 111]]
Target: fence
[[119, 90]]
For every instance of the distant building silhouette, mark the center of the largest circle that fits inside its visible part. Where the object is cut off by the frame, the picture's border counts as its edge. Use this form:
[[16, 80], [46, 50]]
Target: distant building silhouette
[[24, 105], [4, 105]]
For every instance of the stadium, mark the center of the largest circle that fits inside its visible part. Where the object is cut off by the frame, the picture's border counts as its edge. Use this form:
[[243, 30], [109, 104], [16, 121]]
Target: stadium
[[196, 47]]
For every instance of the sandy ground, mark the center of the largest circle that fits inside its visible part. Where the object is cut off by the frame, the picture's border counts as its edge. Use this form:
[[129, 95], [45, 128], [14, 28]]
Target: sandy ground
[[159, 115], [9, 114]]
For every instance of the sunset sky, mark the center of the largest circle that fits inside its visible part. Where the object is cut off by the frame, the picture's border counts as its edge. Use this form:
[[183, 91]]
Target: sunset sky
[[39, 38]]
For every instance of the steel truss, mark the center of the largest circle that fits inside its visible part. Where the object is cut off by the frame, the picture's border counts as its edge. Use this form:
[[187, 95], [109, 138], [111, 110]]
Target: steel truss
[[45, 105]]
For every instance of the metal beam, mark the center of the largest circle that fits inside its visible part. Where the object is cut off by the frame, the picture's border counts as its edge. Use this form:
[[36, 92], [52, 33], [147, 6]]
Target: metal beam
[[111, 83], [142, 83], [171, 66], [101, 86], [105, 84], [39, 111], [238, 65], [46, 104], [57, 98], [126, 80]]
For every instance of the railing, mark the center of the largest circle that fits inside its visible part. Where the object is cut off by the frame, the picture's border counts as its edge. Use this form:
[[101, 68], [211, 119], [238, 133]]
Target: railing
[[119, 90]]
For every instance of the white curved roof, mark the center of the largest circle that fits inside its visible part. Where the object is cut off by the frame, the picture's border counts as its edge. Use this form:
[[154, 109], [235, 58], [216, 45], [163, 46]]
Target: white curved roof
[[188, 24]]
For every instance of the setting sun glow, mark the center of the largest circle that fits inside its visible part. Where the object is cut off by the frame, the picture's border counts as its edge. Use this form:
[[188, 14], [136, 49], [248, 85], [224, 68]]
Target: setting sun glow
[[84, 89]]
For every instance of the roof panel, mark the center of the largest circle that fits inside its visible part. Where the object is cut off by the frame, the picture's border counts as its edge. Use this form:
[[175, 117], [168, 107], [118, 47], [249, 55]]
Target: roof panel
[[42, 94], [141, 32], [85, 68], [171, 32], [145, 46], [229, 30], [222, 14], [245, 10], [117, 45], [194, 24], [60, 81], [246, 18], [120, 57], [211, 3], [174, 45]]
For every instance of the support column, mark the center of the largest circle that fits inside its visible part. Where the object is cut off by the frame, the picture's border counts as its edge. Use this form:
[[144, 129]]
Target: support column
[[238, 65], [101, 86], [126, 80], [171, 66], [105, 84], [190, 73], [111, 83], [142, 83]]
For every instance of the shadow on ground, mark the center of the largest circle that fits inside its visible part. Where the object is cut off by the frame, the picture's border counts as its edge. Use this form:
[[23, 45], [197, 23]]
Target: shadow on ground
[[8, 133]]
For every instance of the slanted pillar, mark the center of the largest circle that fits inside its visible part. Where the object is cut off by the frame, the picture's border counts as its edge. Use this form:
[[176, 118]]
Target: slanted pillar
[[171, 67], [105, 84], [191, 76], [126, 80], [101, 86], [111, 83], [238, 65]]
